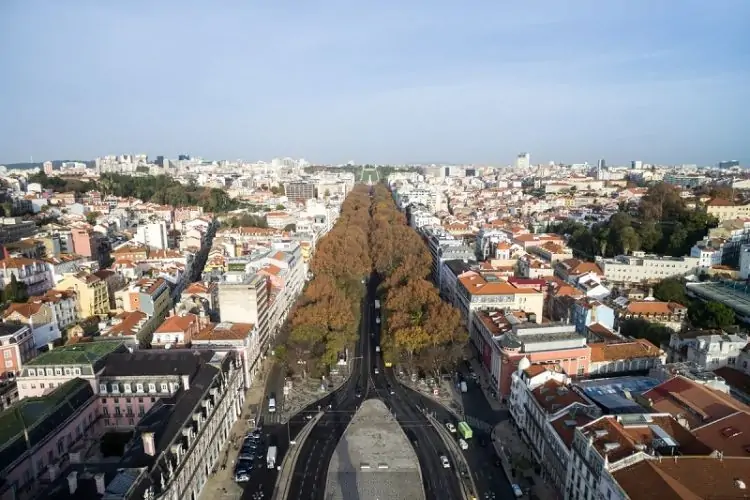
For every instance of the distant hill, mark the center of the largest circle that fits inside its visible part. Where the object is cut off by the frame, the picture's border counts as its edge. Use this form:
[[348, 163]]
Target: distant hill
[[29, 165]]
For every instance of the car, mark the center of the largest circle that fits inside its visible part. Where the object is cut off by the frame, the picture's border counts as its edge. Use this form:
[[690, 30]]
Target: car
[[445, 462], [243, 465], [242, 476], [377, 370], [451, 427], [391, 391], [377, 320], [358, 393], [463, 444], [516, 490]]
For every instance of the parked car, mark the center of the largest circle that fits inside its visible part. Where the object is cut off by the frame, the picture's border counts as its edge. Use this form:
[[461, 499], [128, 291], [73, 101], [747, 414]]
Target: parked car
[[451, 427], [516, 490], [445, 462], [463, 444]]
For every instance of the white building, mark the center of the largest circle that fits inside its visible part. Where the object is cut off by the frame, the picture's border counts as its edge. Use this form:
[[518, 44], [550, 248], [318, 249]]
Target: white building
[[711, 352], [641, 267], [153, 235], [744, 262]]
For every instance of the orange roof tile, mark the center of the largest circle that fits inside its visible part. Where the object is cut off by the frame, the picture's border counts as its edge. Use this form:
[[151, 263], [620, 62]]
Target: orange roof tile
[[641, 348]]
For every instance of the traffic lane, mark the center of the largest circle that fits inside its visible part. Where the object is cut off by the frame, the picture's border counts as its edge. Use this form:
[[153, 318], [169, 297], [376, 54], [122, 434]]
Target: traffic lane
[[481, 460], [476, 404], [309, 480], [438, 482], [443, 481]]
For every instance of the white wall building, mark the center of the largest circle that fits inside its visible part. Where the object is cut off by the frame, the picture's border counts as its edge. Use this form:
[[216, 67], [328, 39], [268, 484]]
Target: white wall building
[[153, 235]]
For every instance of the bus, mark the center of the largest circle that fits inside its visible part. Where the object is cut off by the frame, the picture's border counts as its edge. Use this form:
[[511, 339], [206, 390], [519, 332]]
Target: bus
[[377, 304], [465, 430]]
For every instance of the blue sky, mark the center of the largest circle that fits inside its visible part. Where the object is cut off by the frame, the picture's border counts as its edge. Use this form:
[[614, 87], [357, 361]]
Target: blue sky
[[377, 81]]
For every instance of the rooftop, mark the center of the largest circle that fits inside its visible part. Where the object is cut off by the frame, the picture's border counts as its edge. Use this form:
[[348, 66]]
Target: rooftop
[[553, 396], [730, 435], [374, 440], [640, 348], [616, 394], [76, 354], [686, 478], [38, 416], [695, 402]]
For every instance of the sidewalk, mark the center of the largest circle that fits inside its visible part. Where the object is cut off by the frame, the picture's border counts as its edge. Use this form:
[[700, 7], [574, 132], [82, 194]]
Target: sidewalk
[[517, 463], [220, 483], [486, 385], [446, 394]]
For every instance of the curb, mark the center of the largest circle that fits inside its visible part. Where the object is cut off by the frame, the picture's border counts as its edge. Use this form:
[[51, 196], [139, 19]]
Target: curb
[[290, 460], [453, 412]]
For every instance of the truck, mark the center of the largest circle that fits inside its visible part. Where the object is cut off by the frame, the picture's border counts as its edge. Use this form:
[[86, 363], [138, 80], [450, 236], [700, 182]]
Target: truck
[[377, 304], [465, 430], [271, 457]]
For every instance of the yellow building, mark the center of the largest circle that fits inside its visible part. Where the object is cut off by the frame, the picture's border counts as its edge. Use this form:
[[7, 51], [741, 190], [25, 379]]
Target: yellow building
[[93, 295], [727, 210]]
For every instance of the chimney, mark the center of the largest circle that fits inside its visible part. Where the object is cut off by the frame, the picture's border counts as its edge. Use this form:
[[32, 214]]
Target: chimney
[[186, 382], [148, 443], [73, 482], [99, 480]]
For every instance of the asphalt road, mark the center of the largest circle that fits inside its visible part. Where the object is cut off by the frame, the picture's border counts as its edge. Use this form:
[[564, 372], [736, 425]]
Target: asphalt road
[[310, 474], [309, 477]]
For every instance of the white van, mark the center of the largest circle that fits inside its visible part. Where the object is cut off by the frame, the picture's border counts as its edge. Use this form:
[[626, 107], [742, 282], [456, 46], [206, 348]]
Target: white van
[[272, 404], [377, 348]]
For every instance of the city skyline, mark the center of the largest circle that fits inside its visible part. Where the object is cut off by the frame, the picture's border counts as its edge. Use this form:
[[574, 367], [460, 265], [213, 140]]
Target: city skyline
[[383, 84]]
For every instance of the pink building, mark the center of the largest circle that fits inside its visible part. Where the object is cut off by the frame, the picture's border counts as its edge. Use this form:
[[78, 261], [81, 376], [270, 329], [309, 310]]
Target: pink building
[[41, 436], [504, 339]]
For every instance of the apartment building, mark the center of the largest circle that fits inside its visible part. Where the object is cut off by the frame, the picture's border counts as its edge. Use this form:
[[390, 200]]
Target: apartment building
[[152, 235], [669, 314], [174, 446], [552, 252], [534, 268], [148, 295], [477, 292], [201, 297], [299, 192], [546, 409], [241, 338], [91, 291], [643, 268], [61, 364], [503, 339], [15, 228], [17, 348], [727, 210], [612, 358], [178, 330], [611, 443], [243, 298], [32, 273], [38, 436]]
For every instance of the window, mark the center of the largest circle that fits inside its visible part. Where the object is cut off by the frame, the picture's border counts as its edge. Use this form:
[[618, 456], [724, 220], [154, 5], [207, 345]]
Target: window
[[58, 371], [105, 411], [33, 386], [128, 388], [32, 372], [141, 410], [131, 421], [7, 354], [104, 401], [151, 387], [116, 400], [164, 387], [49, 371], [115, 387], [8, 363], [41, 386], [107, 422], [60, 446], [68, 372], [138, 387], [76, 371], [103, 388], [117, 411]]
